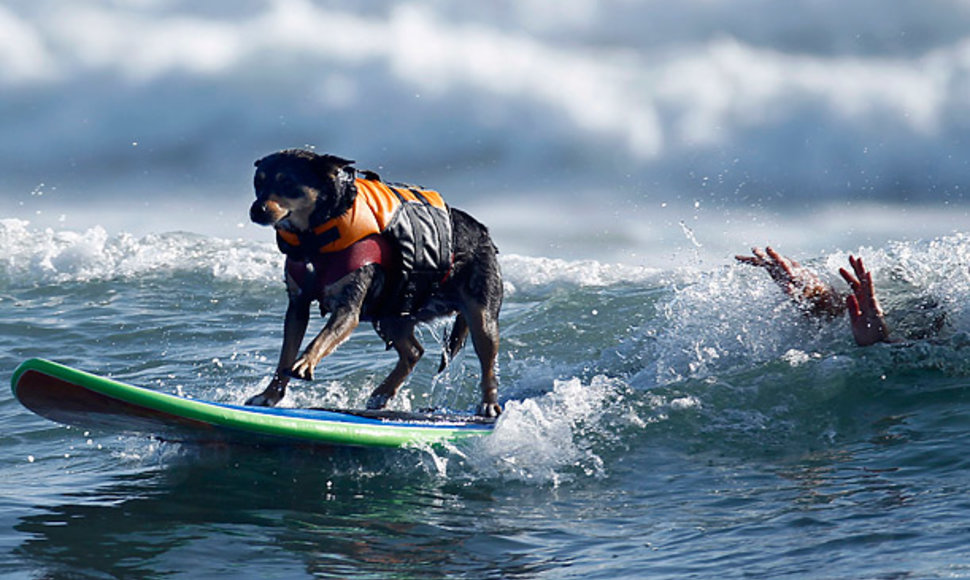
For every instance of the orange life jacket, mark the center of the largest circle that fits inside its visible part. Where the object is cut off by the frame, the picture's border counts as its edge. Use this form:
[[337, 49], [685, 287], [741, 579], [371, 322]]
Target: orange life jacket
[[415, 222], [376, 205]]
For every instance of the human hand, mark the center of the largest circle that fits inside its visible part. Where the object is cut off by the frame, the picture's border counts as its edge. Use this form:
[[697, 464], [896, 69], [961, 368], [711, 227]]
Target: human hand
[[801, 284], [865, 314]]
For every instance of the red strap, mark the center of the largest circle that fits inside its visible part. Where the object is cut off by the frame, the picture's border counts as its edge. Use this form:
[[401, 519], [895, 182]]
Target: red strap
[[333, 266], [370, 250]]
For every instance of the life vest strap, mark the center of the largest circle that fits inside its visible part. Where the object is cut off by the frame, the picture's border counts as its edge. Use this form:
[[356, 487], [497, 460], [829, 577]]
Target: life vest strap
[[293, 244]]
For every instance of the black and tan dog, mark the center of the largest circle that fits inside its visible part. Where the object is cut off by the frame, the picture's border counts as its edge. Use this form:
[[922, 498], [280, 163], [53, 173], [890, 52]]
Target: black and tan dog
[[368, 250]]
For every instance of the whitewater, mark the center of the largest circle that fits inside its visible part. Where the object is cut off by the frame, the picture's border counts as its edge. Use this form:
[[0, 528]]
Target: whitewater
[[668, 412]]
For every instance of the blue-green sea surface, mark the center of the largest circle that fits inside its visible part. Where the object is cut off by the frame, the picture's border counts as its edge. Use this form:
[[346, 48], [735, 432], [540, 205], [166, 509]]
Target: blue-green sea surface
[[677, 423]]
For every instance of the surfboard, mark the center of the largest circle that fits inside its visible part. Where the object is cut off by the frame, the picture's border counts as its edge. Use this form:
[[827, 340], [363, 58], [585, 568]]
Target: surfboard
[[74, 397]]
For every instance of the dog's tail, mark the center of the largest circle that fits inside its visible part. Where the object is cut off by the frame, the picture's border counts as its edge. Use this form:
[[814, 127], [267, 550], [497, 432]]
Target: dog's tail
[[459, 332]]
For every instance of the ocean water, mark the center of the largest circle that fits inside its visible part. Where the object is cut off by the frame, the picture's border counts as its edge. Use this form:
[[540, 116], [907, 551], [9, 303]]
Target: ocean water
[[668, 413], [658, 422]]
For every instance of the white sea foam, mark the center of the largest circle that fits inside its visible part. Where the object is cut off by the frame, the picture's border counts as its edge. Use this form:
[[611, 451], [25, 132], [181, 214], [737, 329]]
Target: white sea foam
[[550, 438], [524, 272], [31, 255]]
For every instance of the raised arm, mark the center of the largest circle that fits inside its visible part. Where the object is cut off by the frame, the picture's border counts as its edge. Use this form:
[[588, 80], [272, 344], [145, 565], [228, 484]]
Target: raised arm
[[865, 314], [801, 284]]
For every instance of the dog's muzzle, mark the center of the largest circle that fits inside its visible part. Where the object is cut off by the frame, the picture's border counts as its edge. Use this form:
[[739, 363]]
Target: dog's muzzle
[[261, 213]]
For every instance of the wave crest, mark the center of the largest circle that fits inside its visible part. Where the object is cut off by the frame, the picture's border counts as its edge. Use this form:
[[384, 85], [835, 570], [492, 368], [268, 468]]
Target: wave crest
[[40, 256]]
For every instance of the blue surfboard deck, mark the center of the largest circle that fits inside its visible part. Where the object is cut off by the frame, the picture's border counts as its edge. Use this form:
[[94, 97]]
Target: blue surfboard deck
[[73, 397]]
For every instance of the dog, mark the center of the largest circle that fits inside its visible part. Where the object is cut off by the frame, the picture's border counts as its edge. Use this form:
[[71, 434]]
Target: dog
[[393, 254]]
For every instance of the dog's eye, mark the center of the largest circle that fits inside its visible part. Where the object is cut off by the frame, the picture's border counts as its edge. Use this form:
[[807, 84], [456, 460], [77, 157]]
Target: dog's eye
[[285, 186], [291, 192]]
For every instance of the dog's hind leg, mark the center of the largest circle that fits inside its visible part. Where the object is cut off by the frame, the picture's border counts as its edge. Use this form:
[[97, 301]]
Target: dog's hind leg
[[400, 333], [456, 340], [483, 324]]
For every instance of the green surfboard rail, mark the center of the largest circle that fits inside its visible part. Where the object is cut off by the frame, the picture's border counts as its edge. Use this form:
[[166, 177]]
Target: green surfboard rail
[[49, 388]]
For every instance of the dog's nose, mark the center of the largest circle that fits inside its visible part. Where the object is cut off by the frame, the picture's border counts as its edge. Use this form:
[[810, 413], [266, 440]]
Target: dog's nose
[[258, 213]]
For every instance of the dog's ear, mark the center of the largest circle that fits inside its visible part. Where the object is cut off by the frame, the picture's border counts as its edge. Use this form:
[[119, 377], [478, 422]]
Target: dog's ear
[[330, 165], [338, 161]]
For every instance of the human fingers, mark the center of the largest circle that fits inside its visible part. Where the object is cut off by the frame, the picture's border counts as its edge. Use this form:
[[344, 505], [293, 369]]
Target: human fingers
[[867, 281], [872, 303], [866, 289], [849, 279], [775, 256], [852, 305], [859, 267], [752, 260], [781, 262]]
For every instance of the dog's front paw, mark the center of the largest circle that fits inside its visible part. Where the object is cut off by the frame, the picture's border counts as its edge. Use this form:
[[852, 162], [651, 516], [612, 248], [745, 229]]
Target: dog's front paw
[[302, 369], [377, 402], [492, 410], [264, 399]]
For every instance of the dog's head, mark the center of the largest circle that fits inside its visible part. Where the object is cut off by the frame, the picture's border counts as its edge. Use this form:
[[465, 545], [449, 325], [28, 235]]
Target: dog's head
[[297, 188]]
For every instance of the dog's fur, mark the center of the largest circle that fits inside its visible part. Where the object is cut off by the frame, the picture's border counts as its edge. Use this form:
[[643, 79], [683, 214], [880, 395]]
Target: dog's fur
[[295, 187]]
